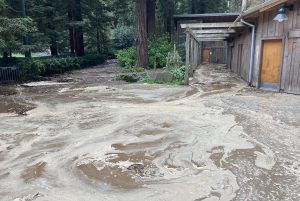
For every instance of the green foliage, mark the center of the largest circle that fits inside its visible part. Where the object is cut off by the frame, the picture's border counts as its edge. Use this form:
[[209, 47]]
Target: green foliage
[[173, 59], [45, 67], [123, 37], [157, 49], [127, 77], [127, 57], [178, 73]]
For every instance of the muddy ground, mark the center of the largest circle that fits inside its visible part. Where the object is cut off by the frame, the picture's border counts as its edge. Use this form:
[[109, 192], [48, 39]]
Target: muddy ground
[[82, 136]]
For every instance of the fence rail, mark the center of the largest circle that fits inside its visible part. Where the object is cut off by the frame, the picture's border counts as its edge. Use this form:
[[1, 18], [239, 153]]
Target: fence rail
[[9, 74]]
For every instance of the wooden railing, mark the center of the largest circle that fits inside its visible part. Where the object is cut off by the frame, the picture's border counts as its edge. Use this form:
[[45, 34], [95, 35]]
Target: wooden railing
[[193, 50], [9, 74]]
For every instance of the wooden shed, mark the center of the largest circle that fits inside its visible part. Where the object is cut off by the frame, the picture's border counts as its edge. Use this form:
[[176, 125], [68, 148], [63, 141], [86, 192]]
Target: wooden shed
[[263, 51], [276, 50], [212, 51]]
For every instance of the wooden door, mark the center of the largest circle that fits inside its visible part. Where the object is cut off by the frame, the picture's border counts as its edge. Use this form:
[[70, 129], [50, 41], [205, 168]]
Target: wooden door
[[271, 62], [206, 55]]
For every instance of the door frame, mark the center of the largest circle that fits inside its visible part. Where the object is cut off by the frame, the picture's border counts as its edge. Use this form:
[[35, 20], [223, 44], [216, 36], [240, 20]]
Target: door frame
[[262, 40]]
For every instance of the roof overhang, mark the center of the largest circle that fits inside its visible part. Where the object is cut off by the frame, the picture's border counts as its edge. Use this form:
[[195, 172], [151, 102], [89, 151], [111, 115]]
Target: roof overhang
[[266, 6]]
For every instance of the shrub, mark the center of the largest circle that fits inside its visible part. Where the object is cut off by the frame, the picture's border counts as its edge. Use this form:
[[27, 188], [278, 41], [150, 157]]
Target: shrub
[[127, 57], [157, 51], [44, 67], [123, 37], [173, 59], [178, 73]]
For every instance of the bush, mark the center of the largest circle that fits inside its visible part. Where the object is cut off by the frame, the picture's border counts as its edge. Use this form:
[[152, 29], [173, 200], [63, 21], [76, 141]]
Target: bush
[[123, 37], [127, 57], [157, 51], [178, 73], [44, 67]]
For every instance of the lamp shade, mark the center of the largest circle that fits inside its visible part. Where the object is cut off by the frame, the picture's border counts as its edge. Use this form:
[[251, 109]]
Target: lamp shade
[[281, 16]]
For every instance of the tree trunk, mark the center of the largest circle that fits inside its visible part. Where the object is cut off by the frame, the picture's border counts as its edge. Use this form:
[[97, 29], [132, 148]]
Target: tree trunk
[[193, 10], [76, 31], [244, 5], [98, 41], [151, 8], [71, 28], [51, 27], [79, 43], [202, 7], [141, 34]]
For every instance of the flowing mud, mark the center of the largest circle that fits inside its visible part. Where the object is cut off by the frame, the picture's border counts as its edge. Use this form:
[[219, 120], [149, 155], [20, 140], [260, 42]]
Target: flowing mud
[[88, 137]]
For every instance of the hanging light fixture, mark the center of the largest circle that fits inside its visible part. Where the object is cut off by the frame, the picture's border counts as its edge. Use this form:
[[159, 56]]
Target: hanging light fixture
[[281, 15]]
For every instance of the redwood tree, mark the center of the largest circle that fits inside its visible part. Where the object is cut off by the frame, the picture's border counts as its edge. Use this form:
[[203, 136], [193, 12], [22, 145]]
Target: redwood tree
[[76, 31], [141, 34]]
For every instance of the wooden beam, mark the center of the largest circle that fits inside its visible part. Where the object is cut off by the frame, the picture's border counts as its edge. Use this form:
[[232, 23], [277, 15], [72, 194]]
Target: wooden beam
[[187, 59], [212, 35], [211, 25], [211, 39], [214, 31]]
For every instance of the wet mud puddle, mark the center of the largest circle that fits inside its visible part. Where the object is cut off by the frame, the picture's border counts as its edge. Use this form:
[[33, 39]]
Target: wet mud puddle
[[113, 143]]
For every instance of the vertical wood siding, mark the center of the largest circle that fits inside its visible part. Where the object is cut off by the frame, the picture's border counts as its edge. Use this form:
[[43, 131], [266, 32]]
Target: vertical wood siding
[[267, 28]]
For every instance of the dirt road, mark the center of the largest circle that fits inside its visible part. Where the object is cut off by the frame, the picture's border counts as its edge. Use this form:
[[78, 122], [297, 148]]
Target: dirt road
[[82, 136]]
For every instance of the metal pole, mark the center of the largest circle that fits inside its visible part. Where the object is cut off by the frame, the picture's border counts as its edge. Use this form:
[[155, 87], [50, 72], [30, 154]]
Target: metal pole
[[25, 37]]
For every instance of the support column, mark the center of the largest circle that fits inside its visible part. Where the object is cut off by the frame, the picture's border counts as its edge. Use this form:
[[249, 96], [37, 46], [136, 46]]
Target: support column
[[187, 59]]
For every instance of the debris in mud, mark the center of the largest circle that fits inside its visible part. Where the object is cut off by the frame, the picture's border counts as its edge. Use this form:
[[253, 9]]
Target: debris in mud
[[28, 197], [33, 172], [129, 77], [137, 168], [65, 79], [21, 109], [6, 91]]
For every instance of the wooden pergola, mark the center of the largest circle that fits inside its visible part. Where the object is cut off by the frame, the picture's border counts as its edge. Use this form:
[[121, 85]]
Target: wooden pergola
[[196, 33]]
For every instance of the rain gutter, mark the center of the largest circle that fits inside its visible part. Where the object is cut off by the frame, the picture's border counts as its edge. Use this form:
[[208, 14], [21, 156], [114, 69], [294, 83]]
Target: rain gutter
[[252, 49]]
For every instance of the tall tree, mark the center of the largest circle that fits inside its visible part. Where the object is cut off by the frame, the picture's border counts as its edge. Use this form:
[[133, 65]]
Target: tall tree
[[151, 17], [141, 34], [76, 30], [98, 20], [193, 10], [13, 27]]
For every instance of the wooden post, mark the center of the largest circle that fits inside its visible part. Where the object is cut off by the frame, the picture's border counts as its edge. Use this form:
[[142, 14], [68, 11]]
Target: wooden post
[[187, 59]]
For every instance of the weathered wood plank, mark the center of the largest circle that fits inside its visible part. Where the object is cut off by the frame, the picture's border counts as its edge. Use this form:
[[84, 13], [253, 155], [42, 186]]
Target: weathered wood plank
[[212, 35], [187, 59], [295, 68], [210, 39], [211, 25], [214, 31], [294, 33]]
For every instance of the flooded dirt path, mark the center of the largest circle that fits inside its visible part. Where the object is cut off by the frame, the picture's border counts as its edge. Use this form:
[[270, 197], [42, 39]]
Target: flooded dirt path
[[82, 136]]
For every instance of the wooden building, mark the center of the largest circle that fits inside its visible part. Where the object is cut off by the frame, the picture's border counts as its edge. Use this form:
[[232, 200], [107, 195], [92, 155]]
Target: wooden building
[[276, 58], [263, 51], [211, 51]]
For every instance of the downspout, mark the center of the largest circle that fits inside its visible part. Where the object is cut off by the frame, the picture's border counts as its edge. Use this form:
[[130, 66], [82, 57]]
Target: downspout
[[252, 49]]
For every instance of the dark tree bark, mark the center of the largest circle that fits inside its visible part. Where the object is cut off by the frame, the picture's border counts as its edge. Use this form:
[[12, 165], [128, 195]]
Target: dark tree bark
[[71, 28], [193, 10], [51, 27], [202, 7], [151, 8], [76, 31], [79, 43], [141, 34]]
